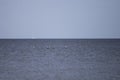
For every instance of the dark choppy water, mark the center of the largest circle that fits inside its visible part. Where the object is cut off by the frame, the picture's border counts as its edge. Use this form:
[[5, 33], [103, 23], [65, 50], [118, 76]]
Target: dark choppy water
[[44, 59]]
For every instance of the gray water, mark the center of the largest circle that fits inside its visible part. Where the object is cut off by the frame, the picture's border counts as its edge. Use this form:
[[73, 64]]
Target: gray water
[[62, 59]]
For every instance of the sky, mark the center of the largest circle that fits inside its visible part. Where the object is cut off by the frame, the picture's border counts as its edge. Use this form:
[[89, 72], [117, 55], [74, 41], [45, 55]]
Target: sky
[[59, 19]]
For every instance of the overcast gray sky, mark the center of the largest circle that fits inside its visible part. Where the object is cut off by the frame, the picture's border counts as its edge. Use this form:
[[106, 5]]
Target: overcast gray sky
[[59, 18]]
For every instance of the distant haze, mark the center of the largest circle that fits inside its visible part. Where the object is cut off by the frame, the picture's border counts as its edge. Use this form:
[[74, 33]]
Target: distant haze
[[59, 18]]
